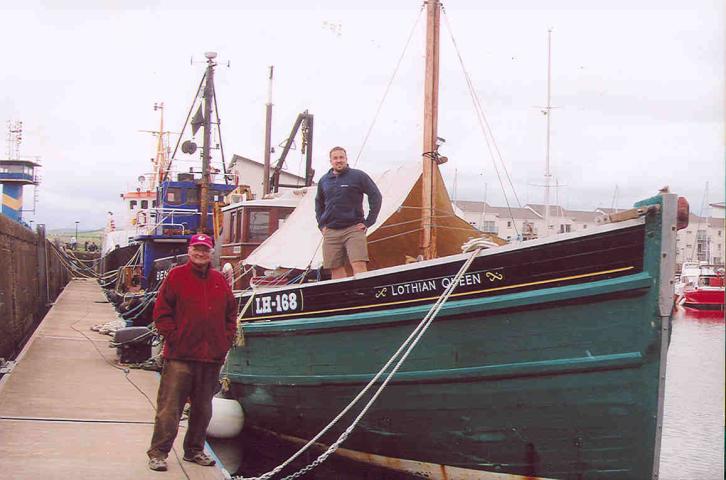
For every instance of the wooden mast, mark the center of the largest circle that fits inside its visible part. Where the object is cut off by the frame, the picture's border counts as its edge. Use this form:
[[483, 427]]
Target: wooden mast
[[431, 112], [206, 151], [268, 135], [161, 157]]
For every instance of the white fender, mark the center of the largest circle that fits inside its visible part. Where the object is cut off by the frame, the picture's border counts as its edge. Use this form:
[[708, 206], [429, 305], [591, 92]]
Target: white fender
[[227, 418]]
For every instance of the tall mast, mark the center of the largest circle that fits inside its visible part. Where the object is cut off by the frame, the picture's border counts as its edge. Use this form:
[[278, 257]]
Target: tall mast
[[206, 156], [161, 153], [548, 111], [431, 112], [268, 134]]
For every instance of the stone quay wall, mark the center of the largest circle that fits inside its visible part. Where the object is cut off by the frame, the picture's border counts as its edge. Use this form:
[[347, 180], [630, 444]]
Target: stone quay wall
[[31, 278]]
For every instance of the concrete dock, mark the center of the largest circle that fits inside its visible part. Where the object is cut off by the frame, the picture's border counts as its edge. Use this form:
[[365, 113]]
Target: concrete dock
[[67, 413]]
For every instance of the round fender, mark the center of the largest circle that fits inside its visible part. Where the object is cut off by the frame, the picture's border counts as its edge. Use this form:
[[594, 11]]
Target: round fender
[[227, 418]]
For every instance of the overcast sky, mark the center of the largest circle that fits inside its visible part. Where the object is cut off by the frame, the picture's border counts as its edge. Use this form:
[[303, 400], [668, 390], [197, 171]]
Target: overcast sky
[[638, 87]]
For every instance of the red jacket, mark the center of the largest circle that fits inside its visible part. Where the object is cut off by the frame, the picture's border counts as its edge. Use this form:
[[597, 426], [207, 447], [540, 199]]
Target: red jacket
[[197, 314]]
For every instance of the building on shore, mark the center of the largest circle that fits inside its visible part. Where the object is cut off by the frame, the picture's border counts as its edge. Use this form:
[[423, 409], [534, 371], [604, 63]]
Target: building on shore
[[251, 173], [702, 241]]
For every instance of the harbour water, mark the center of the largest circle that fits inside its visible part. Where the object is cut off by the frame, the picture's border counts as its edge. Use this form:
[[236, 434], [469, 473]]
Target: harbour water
[[693, 430], [693, 421]]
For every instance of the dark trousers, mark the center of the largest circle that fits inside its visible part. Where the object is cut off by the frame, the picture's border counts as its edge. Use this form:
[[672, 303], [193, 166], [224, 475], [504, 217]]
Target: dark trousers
[[182, 380]]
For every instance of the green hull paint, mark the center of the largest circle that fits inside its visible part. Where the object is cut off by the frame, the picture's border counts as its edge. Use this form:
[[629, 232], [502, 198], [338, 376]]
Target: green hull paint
[[558, 382]]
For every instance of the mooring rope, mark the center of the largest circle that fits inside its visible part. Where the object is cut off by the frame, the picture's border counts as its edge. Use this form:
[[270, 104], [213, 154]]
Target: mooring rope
[[403, 351]]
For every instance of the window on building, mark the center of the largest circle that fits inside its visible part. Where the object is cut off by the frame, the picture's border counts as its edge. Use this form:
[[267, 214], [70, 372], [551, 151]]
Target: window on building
[[232, 223], [584, 227], [565, 228], [192, 196], [488, 226], [215, 196], [719, 233], [258, 226], [153, 204], [509, 224], [173, 196], [132, 204], [701, 235], [238, 227], [144, 204]]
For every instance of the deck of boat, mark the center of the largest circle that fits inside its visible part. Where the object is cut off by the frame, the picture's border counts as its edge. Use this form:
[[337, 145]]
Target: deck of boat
[[65, 412]]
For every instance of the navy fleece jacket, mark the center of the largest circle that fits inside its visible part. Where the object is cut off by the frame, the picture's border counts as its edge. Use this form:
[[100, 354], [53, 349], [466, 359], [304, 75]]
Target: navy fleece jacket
[[339, 202]]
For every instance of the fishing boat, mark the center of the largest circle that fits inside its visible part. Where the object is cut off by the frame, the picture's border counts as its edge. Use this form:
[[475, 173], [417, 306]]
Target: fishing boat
[[251, 218], [175, 205], [705, 290], [536, 359], [690, 271], [118, 248]]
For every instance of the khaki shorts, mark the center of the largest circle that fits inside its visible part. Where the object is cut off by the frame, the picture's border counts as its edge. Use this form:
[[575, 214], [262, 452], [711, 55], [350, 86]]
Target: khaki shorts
[[345, 242]]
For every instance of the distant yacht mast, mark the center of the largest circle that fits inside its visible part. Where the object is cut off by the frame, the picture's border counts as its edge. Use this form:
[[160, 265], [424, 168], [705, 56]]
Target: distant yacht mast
[[547, 111]]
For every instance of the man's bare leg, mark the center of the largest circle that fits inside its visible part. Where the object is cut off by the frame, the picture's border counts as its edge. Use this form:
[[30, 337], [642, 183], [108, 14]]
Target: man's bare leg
[[338, 272], [359, 267]]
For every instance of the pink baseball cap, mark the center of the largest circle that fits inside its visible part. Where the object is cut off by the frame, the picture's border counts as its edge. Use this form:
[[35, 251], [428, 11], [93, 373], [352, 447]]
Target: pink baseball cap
[[201, 239]]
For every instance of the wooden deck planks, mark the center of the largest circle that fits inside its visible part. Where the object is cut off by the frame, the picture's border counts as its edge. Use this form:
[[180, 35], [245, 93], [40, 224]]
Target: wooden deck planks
[[66, 413]]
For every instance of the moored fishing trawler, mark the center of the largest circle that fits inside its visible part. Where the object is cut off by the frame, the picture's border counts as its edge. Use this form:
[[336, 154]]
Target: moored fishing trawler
[[162, 217], [704, 291], [251, 217], [540, 359]]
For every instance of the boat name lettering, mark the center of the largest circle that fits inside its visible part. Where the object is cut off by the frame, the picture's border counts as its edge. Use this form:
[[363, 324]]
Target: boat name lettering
[[468, 279], [161, 275], [434, 285], [278, 303]]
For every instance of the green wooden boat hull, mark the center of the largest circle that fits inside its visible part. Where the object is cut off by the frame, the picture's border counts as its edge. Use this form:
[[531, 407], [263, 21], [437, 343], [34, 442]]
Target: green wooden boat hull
[[555, 380]]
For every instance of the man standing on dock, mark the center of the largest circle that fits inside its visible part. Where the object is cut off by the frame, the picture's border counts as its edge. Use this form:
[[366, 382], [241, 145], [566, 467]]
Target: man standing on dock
[[339, 211], [196, 313]]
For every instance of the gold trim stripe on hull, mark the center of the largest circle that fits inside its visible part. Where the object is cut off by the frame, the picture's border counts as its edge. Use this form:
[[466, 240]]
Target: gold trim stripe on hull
[[401, 302]]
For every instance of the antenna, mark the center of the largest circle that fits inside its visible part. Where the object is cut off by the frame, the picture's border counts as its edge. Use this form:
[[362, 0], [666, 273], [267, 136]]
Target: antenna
[[16, 172], [547, 112], [15, 138], [209, 58]]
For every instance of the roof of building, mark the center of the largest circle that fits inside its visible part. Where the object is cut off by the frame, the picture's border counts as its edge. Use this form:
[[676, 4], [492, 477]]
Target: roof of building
[[501, 212], [608, 211], [240, 159], [534, 211], [555, 210], [558, 211], [583, 216], [471, 206]]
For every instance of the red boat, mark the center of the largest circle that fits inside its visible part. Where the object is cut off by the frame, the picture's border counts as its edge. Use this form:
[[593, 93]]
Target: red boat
[[708, 294]]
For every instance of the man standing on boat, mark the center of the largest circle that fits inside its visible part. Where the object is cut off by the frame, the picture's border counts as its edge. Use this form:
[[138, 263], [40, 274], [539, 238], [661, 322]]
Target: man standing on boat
[[196, 313], [339, 211]]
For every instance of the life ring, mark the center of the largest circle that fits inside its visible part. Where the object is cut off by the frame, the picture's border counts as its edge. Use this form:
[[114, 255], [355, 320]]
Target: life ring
[[141, 218]]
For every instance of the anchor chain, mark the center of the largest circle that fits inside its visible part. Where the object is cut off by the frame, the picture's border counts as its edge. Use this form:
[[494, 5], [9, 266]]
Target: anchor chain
[[474, 246]]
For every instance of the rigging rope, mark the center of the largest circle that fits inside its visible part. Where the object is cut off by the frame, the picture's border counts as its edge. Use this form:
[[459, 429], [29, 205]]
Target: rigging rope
[[403, 351], [485, 127], [388, 87]]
